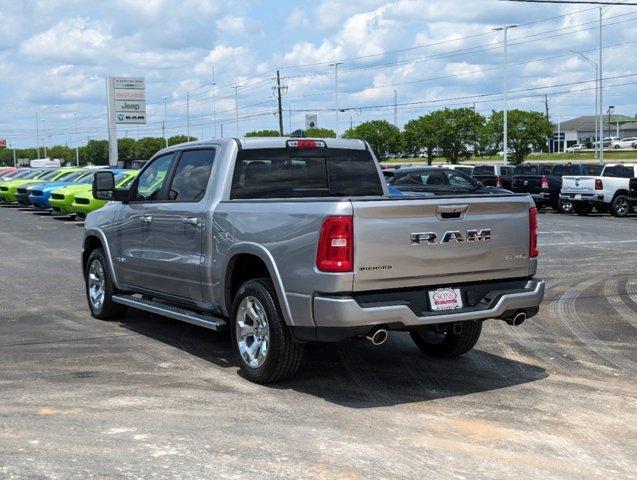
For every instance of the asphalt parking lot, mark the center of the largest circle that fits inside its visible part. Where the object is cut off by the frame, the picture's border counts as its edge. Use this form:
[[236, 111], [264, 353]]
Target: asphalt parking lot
[[150, 397]]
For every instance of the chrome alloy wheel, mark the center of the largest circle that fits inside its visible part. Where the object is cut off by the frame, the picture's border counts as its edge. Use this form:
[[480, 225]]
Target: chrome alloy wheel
[[621, 206], [253, 332], [96, 284]]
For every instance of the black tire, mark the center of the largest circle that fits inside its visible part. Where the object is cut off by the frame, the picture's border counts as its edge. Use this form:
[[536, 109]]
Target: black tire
[[107, 310], [440, 340], [284, 354], [582, 209], [619, 207], [564, 206]]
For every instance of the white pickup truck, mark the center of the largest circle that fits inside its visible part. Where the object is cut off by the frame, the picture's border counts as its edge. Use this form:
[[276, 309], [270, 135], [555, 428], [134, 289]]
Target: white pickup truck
[[607, 192]]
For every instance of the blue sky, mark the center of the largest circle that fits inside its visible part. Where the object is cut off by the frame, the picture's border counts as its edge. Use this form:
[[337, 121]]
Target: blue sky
[[55, 55]]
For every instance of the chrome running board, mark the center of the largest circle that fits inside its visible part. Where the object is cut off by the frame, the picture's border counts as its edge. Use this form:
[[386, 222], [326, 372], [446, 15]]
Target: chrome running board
[[152, 306]]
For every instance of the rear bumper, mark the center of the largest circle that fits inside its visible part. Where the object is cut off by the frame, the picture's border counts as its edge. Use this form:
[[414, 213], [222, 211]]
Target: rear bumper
[[583, 197], [632, 201], [346, 314], [540, 197]]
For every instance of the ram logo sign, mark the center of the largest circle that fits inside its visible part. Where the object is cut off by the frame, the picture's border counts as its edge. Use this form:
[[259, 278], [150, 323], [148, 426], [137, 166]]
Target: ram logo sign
[[455, 236]]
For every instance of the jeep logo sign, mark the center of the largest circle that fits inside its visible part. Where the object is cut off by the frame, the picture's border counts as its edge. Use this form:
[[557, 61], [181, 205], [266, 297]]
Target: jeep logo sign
[[430, 238]]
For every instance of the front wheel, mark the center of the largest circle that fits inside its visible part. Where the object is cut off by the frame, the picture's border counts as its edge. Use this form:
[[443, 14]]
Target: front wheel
[[445, 341], [100, 288], [261, 340], [620, 207]]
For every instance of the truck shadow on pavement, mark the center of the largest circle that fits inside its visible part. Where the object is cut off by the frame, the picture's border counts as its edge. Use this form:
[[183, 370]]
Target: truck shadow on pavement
[[355, 373]]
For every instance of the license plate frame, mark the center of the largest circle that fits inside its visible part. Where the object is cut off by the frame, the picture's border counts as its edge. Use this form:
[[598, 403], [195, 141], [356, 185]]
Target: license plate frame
[[578, 196], [442, 299]]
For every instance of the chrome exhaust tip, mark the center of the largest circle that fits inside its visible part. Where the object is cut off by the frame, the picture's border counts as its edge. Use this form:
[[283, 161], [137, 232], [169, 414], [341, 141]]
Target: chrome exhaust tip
[[517, 319], [378, 336]]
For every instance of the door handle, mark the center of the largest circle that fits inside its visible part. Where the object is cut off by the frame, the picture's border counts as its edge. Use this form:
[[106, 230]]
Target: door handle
[[147, 218], [194, 221]]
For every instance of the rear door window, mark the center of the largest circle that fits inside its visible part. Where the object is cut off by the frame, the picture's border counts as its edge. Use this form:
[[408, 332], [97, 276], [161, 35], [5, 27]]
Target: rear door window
[[619, 171], [290, 173]]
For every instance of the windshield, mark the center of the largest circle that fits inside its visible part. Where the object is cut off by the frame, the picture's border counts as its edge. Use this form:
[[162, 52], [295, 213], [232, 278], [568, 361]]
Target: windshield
[[16, 174], [484, 170], [532, 169], [433, 180], [69, 176], [49, 175], [34, 174]]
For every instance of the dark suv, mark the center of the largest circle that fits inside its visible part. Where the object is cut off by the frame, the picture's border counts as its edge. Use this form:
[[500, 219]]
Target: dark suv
[[544, 181]]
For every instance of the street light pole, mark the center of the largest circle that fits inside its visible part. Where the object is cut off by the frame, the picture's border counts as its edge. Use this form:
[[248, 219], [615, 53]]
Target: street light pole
[[188, 114], [37, 133], [335, 65], [77, 148], [214, 103], [597, 136], [505, 30], [236, 108], [163, 124], [601, 103]]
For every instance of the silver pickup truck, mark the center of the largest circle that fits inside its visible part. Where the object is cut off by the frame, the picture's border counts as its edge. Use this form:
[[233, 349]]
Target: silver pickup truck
[[285, 241]]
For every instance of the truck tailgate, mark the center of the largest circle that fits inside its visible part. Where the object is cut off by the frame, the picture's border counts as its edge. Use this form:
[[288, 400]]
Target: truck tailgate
[[527, 183], [582, 184], [394, 245]]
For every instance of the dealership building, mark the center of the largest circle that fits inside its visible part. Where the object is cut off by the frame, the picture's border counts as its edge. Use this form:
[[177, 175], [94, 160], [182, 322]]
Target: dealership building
[[582, 130]]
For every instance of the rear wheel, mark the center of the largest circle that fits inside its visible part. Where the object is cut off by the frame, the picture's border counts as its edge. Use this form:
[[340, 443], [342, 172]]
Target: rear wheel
[[100, 288], [445, 341], [261, 340], [620, 207], [564, 206], [581, 209]]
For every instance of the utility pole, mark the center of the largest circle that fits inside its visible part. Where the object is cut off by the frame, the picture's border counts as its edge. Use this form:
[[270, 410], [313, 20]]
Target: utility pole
[[278, 95], [610, 110], [77, 148], [236, 108], [37, 133], [335, 65], [44, 142], [214, 103], [188, 115], [395, 108], [601, 103], [290, 117], [163, 124], [546, 107], [505, 30]]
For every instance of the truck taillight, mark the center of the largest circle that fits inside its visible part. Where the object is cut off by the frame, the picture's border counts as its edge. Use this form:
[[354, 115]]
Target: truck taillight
[[545, 182], [336, 245], [533, 251], [301, 144], [598, 184], [498, 182]]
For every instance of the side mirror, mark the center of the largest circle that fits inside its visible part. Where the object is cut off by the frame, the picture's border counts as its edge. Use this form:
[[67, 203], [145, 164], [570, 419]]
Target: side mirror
[[104, 186]]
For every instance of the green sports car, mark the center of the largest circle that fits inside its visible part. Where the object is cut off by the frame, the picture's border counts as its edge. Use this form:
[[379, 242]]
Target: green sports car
[[9, 188], [61, 200], [84, 203], [59, 175]]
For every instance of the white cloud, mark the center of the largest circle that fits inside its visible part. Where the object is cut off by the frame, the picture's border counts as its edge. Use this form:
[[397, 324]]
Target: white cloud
[[71, 40], [232, 25]]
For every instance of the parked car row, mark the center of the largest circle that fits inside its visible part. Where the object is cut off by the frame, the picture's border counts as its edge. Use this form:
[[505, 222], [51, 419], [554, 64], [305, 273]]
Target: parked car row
[[66, 190], [566, 187]]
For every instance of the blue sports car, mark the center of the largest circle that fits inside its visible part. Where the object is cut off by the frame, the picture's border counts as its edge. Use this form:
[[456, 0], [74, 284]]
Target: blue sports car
[[40, 193]]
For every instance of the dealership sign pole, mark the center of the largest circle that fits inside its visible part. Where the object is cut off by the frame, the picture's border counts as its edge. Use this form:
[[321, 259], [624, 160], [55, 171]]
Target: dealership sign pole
[[126, 105]]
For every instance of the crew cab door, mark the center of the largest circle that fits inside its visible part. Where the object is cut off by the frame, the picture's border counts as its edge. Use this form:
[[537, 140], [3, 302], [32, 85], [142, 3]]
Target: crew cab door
[[172, 251], [132, 222]]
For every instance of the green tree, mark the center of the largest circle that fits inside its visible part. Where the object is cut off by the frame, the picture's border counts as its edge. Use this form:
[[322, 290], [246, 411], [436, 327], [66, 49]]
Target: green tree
[[459, 128], [126, 148], [97, 152], [263, 133], [526, 130], [320, 133], [177, 139], [383, 137], [148, 146], [423, 133]]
